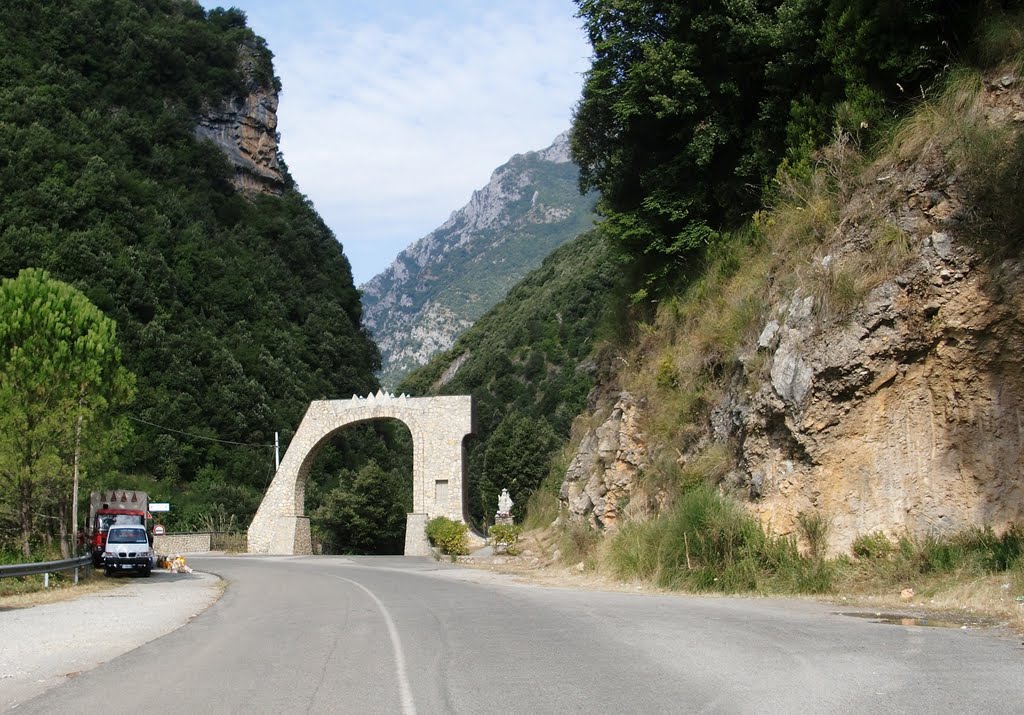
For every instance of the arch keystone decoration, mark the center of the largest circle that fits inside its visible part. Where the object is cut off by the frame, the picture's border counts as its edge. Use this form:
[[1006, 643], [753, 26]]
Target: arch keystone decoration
[[438, 426]]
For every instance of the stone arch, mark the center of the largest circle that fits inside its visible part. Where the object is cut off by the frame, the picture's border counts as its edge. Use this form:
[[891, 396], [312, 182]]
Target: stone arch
[[439, 426]]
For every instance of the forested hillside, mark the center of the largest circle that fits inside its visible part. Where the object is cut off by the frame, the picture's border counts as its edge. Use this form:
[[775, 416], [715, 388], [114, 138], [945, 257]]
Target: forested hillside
[[233, 308]]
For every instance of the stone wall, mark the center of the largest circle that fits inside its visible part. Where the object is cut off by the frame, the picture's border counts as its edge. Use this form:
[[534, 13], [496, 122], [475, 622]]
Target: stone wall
[[167, 544]]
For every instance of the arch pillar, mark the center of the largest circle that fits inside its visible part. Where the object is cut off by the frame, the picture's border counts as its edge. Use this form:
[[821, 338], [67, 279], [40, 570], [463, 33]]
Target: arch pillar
[[438, 426]]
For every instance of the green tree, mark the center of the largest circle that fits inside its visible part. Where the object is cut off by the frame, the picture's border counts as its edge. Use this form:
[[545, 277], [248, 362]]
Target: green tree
[[60, 378], [104, 184], [689, 108], [517, 458], [366, 514]]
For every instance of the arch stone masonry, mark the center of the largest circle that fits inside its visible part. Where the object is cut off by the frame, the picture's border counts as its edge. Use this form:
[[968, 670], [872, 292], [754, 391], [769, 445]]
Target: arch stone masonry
[[438, 426]]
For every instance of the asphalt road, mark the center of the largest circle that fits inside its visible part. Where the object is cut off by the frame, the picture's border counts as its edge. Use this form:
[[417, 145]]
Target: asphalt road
[[43, 646], [396, 635]]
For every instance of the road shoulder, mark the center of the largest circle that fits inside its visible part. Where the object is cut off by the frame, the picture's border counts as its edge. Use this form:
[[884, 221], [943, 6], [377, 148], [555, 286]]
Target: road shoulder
[[46, 644]]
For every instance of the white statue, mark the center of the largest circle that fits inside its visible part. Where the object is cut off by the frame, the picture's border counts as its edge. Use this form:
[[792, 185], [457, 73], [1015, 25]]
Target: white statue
[[504, 503]]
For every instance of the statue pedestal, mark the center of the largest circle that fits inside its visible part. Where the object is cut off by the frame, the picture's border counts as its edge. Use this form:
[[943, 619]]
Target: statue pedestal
[[503, 519]]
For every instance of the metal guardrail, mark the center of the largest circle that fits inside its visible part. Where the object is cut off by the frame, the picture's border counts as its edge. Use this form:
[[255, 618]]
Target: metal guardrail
[[45, 567]]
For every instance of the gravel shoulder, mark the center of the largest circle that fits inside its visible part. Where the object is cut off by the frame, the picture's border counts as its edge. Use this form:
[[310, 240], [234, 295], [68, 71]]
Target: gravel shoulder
[[44, 645]]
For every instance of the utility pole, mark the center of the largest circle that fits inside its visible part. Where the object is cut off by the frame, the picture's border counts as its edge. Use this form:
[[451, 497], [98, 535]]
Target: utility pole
[[74, 493], [277, 454]]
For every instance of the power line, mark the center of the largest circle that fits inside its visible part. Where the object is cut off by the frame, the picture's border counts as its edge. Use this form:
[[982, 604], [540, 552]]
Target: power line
[[196, 436]]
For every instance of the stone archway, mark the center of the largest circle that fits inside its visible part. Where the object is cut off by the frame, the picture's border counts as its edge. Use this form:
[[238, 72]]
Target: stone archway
[[438, 426]]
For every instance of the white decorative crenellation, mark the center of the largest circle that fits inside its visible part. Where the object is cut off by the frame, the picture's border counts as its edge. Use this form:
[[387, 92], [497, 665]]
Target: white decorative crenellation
[[382, 396], [438, 426]]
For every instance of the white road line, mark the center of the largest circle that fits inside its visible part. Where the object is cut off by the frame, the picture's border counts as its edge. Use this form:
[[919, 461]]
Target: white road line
[[408, 707]]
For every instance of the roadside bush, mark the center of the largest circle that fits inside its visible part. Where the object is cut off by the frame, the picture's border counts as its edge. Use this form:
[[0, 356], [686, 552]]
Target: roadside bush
[[875, 545], [973, 552], [577, 542], [506, 535], [449, 536], [708, 543], [995, 553], [814, 528]]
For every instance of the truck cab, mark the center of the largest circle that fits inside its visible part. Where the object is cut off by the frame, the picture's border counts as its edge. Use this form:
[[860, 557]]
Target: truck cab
[[106, 518], [129, 548]]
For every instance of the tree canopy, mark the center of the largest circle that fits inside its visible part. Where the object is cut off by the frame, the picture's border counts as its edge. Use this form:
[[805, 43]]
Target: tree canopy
[[61, 377], [689, 108]]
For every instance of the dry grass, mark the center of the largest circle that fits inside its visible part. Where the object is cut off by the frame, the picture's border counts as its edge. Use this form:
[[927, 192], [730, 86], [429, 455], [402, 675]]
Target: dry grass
[[990, 597], [62, 592], [542, 508], [956, 597], [232, 543], [943, 121]]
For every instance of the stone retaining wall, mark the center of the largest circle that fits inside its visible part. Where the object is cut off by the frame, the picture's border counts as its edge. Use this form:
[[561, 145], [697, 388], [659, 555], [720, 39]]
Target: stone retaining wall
[[166, 544]]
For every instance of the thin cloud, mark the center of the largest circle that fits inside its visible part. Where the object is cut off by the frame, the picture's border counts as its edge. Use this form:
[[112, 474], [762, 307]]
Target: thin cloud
[[390, 119]]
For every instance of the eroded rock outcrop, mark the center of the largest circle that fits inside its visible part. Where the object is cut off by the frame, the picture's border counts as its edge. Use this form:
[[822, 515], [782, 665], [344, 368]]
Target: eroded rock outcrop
[[245, 129], [905, 414], [600, 480]]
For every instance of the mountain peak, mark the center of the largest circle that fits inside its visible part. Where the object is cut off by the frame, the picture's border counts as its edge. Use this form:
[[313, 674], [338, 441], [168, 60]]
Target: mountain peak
[[558, 152], [439, 285]]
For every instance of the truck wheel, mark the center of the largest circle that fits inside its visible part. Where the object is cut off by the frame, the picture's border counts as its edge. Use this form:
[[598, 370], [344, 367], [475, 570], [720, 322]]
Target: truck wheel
[[147, 572], [108, 571]]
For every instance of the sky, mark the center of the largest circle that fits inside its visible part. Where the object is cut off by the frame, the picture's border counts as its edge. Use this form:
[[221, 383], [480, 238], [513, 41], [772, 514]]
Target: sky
[[393, 112]]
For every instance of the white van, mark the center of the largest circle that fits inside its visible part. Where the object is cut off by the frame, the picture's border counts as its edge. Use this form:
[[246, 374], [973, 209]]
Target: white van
[[128, 549]]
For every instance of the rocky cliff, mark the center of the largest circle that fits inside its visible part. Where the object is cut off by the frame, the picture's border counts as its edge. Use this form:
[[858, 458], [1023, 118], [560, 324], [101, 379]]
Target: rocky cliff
[[443, 282], [902, 416], [245, 128]]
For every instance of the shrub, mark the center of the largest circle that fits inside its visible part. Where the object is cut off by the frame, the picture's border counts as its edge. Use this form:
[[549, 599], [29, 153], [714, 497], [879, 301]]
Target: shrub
[[708, 543], [449, 536], [577, 541], [995, 553], [814, 528], [976, 551], [875, 545], [506, 535]]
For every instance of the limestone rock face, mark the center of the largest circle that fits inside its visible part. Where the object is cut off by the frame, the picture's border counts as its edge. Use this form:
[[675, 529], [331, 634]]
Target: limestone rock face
[[245, 129], [439, 285], [599, 482], [906, 418], [903, 415]]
